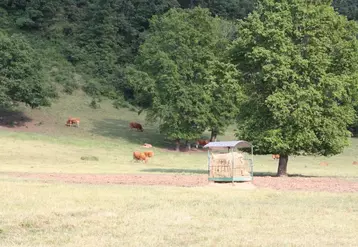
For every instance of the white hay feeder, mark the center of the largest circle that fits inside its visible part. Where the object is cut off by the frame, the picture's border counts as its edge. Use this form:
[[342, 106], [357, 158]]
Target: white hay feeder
[[231, 166]]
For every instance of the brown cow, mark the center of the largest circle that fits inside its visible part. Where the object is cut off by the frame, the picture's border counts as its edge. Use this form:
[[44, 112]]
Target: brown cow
[[140, 156], [149, 154], [134, 125], [136, 155], [201, 142], [71, 121], [276, 156], [144, 157]]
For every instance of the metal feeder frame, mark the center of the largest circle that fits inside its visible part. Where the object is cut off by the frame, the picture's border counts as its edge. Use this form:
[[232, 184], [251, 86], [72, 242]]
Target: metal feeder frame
[[231, 146]]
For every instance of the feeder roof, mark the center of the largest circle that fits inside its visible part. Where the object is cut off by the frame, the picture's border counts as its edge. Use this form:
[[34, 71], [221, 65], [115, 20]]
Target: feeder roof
[[228, 144]]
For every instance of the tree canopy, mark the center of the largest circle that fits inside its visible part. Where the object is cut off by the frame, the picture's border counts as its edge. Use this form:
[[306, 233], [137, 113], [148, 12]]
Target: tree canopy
[[179, 77], [21, 79], [299, 65], [101, 37]]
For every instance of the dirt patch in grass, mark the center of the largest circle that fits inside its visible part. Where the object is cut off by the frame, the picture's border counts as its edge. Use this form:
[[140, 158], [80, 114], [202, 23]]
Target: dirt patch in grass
[[287, 183], [307, 184]]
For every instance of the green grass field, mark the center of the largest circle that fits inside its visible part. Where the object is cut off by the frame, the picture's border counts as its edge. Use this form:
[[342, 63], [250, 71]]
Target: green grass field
[[34, 213], [32, 152], [53, 147]]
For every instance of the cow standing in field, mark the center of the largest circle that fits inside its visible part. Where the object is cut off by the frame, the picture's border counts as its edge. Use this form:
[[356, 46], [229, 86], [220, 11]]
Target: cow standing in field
[[71, 121], [201, 143], [143, 156], [140, 156], [137, 126], [149, 154], [276, 156]]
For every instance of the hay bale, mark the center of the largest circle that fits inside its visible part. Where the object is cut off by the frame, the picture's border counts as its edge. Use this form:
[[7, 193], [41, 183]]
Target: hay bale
[[221, 165]]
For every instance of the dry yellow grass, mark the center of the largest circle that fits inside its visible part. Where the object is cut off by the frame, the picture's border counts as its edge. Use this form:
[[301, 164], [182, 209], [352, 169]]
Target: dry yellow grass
[[36, 214]]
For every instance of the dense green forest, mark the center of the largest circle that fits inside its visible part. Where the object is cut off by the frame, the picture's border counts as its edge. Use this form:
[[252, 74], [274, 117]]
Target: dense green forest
[[98, 38], [195, 65]]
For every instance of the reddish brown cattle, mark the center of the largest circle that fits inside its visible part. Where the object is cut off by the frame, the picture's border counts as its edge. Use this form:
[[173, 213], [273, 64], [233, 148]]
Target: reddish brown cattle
[[136, 155], [71, 121], [201, 142], [140, 156], [276, 156], [144, 157], [137, 126], [149, 154]]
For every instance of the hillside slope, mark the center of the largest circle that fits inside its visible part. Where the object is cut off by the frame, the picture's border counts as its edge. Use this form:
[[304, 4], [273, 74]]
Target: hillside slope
[[105, 122]]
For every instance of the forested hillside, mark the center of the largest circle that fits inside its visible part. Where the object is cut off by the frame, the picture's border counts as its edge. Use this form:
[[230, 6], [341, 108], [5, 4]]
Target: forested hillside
[[96, 39]]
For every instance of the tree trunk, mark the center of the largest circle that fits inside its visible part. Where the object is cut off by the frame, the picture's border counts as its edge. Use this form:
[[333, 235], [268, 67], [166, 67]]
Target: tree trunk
[[282, 165], [177, 142], [213, 135], [188, 145]]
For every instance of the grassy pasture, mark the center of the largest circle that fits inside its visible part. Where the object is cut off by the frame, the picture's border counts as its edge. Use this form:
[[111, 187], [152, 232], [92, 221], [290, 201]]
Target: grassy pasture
[[33, 152], [45, 144], [58, 214], [83, 215]]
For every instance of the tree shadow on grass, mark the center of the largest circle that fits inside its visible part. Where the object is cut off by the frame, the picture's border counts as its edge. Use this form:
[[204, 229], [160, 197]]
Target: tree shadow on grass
[[197, 171], [164, 170], [12, 118], [271, 174], [117, 128]]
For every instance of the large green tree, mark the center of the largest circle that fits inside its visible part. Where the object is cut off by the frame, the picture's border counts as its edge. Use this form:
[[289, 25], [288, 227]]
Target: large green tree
[[178, 73], [299, 63], [225, 97], [21, 77]]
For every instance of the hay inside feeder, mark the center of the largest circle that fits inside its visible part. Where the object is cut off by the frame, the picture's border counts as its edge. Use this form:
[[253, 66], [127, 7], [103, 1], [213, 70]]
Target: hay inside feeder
[[221, 165]]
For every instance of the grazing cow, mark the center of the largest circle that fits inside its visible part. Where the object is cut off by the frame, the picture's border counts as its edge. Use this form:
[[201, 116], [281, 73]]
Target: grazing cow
[[149, 154], [137, 126], [140, 156], [144, 157], [276, 156], [146, 145], [71, 121], [201, 143], [355, 163], [136, 155]]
